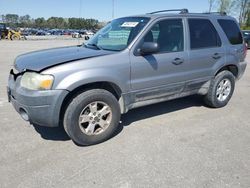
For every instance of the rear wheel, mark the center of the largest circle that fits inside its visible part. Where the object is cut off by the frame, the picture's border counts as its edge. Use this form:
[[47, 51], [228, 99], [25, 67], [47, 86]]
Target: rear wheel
[[221, 90], [92, 117]]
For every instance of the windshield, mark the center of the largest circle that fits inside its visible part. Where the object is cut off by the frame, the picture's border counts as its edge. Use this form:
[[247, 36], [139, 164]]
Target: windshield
[[118, 34]]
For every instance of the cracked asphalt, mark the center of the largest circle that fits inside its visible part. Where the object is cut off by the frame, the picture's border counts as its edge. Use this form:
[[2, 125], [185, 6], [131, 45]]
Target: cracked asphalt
[[180, 143]]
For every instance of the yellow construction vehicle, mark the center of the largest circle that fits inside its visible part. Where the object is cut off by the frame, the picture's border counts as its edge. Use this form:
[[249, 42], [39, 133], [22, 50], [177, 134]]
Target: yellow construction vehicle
[[10, 34]]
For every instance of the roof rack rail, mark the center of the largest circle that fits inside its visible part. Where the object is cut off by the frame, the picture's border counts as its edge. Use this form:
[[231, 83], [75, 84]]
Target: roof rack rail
[[182, 11], [219, 13]]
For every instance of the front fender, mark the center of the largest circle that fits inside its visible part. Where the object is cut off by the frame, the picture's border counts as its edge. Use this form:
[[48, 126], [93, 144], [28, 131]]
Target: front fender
[[84, 77]]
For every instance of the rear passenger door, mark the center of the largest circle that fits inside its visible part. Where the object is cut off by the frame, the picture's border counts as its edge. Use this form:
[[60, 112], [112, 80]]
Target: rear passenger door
[[205, 51]]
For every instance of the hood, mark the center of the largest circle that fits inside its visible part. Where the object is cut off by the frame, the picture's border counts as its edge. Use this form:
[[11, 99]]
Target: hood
[[43, 59]]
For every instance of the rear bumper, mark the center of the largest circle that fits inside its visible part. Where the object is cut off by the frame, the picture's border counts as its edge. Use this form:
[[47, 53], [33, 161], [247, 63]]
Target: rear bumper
[[37, 107], [242, 68]]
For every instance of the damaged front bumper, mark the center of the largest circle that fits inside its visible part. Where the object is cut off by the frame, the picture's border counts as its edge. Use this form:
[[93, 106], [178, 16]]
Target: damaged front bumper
[[37, 107]]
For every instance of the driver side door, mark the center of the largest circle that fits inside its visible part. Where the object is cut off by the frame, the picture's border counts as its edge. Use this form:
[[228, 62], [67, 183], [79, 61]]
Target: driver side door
[[160, 74]]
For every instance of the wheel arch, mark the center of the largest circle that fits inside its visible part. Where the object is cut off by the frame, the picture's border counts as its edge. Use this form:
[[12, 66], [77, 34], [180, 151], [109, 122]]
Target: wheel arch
[[232, 68], [106, 85]]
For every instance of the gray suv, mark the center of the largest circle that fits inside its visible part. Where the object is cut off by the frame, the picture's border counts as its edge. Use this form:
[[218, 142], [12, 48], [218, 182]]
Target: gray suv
[[131, 62]]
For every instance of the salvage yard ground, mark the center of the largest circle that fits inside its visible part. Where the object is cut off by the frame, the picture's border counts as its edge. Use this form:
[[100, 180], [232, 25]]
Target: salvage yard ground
[[180, 143]]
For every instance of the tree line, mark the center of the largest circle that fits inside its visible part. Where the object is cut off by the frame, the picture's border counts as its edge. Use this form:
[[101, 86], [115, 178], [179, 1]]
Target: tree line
[[14, 20], [237, 8]]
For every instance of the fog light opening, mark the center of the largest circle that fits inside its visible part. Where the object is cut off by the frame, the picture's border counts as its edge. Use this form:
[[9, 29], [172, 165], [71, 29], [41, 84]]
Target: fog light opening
[[24, 114]]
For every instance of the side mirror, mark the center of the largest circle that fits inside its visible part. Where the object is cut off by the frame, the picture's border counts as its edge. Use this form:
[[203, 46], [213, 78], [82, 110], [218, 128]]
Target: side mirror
[[149, 48]]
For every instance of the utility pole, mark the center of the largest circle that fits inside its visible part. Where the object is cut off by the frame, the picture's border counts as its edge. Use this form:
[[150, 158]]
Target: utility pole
[[80, 15], [80, 9], [113, 9]]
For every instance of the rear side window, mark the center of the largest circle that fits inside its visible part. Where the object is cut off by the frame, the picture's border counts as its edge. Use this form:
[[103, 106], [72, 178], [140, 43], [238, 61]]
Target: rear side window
[[203, 34], [231, 30]]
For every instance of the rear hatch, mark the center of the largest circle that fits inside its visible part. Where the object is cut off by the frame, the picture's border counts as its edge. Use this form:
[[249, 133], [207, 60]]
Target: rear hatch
[[232, 30]]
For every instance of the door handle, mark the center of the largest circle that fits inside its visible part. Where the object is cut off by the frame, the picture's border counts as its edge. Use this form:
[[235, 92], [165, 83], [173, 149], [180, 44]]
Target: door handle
[[177, 61], [216, 56]]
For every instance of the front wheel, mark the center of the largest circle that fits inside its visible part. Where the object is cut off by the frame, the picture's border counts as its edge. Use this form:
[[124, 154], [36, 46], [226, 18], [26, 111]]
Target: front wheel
[[92, 117], [221, 90]]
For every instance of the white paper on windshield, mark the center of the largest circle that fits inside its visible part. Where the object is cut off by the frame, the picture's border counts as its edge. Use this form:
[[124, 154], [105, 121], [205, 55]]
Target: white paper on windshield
[[130, 24]]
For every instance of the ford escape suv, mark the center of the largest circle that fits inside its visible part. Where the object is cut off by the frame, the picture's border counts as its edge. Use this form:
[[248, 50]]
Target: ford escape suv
[[131, 62]]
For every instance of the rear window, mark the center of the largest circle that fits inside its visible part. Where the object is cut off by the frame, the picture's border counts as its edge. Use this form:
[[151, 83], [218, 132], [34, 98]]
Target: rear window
[[203, 34], [232, 31]]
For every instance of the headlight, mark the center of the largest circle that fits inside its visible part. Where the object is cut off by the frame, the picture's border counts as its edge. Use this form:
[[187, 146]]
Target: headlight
[[35, 81]]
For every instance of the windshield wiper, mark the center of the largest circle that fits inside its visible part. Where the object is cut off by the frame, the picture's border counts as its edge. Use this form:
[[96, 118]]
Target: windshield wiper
[[94, 45]]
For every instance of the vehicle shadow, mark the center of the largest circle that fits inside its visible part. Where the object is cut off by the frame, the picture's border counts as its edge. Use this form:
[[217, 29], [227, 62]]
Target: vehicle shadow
[[52, 133], [58, 133], [161, 108]]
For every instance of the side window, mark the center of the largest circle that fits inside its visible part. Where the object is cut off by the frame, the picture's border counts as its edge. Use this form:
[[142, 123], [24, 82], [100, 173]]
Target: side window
[[203, 34], [231, 30], [168, 34]]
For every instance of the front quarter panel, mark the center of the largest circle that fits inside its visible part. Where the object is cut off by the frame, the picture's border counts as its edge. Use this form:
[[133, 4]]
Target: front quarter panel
[[114, 68]]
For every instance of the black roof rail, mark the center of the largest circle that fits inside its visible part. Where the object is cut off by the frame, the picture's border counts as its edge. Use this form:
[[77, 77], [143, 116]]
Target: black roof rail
[[219, 13], [182, 11]]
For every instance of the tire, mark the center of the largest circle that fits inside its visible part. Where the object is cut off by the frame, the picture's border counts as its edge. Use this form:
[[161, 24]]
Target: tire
[[15, 37], [215, 100], [81, 105]]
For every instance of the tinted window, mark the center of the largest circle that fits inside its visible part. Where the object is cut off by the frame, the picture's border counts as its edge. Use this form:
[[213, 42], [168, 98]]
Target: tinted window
[[232, 31], [168, 34], [203, 34]]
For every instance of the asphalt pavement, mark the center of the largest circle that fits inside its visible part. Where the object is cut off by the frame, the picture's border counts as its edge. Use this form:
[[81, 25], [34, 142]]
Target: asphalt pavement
[[180, 143]]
